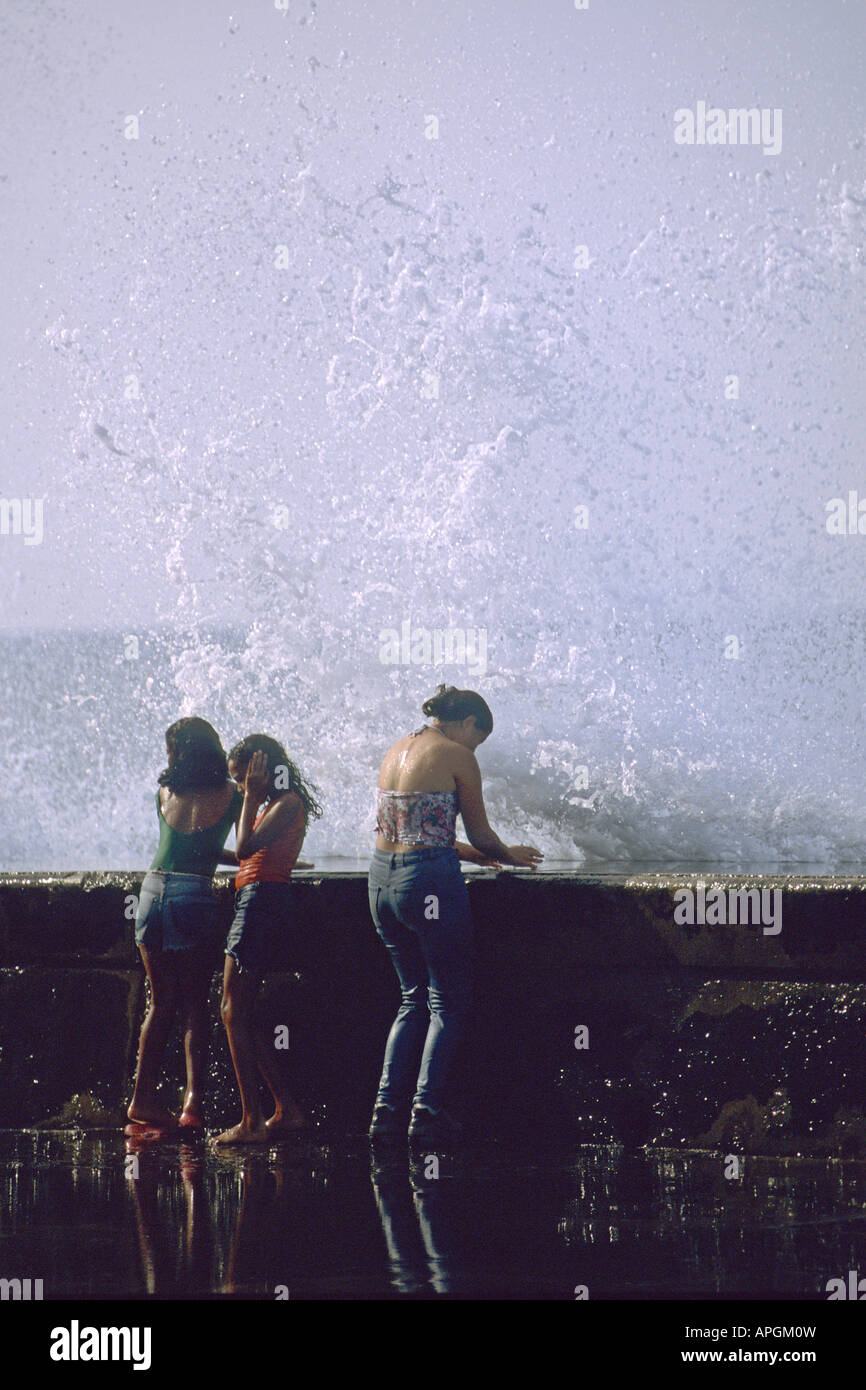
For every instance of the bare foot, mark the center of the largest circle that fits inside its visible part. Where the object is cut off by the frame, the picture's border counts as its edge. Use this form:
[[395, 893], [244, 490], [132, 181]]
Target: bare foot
[[280, 1125], [191, 1119], [191, 1110], [244, 1134], [151, 1115]]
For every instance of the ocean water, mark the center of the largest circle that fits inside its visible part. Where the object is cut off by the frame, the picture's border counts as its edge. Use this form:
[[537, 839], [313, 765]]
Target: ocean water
[[319, 377], [82, 730]]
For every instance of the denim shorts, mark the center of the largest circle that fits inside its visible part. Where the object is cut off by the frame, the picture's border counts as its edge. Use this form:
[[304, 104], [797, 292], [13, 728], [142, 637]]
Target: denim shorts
[[261, 914], [176, 912]]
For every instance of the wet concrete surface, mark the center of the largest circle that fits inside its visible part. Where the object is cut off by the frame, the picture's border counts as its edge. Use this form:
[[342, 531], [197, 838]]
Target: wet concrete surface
[[597, 1018], [93, 1216]]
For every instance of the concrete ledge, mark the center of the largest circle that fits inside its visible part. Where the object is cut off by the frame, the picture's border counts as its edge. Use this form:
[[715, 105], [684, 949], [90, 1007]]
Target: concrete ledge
[[612, 921], [714, 1034]]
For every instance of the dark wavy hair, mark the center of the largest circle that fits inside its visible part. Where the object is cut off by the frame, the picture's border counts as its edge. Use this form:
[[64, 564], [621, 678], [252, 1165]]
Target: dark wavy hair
[[196, 758], [279, 765], [450, 704]]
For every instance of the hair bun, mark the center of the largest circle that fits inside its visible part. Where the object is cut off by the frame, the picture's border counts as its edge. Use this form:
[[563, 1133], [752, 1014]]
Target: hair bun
[[437, 706], [449, 704]]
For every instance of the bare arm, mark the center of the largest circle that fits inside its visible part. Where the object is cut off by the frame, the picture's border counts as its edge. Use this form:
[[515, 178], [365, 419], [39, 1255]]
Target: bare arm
[[228, 856], [467, 775], [275, 819], [472, 856], [272, 824]]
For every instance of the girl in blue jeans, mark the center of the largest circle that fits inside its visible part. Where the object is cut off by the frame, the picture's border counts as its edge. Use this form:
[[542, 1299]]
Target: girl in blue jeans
[[420, 905]]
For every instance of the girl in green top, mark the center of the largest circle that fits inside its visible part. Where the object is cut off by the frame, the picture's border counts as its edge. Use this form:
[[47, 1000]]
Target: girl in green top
[[177, 926]]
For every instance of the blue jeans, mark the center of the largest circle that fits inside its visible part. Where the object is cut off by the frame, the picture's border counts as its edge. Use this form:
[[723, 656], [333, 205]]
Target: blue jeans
[[420, 904]]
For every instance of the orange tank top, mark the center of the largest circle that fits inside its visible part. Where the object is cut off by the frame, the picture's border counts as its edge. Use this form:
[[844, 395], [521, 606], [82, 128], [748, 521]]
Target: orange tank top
[[275, 862]]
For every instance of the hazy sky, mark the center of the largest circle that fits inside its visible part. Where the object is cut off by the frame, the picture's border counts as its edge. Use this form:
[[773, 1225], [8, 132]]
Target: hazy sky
[[247, 94]]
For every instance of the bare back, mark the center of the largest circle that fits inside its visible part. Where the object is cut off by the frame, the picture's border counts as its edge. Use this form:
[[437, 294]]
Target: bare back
[[428, 761], [431, 761], [420, 762], [187, 812]]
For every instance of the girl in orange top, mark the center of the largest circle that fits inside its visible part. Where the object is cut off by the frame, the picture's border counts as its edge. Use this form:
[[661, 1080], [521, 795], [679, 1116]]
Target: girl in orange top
[[268, 843]]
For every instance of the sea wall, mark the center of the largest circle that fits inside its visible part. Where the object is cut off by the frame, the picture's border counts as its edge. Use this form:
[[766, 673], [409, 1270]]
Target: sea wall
[[597, 1015]]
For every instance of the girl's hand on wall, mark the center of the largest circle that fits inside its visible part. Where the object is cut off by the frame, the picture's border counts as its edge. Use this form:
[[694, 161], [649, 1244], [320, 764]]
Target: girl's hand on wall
[[525, 856]]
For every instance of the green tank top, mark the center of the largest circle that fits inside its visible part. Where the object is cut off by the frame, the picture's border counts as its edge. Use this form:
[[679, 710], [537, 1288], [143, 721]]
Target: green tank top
[[197, 851]]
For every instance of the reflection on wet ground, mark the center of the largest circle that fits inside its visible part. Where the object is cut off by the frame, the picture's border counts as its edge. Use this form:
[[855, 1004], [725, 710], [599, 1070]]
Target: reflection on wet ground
[[93, 1219]]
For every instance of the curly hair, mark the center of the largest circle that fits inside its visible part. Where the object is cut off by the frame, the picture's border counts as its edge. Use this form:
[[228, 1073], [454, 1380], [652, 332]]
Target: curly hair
[[285, 775]]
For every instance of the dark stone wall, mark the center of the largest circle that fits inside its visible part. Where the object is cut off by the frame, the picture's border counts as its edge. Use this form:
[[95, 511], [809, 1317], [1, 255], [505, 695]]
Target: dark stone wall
[[714, 1035]]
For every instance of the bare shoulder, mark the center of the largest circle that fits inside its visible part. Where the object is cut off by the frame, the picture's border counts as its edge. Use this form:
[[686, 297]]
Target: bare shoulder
[[222, 796], [392, 755], [462, 760]]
